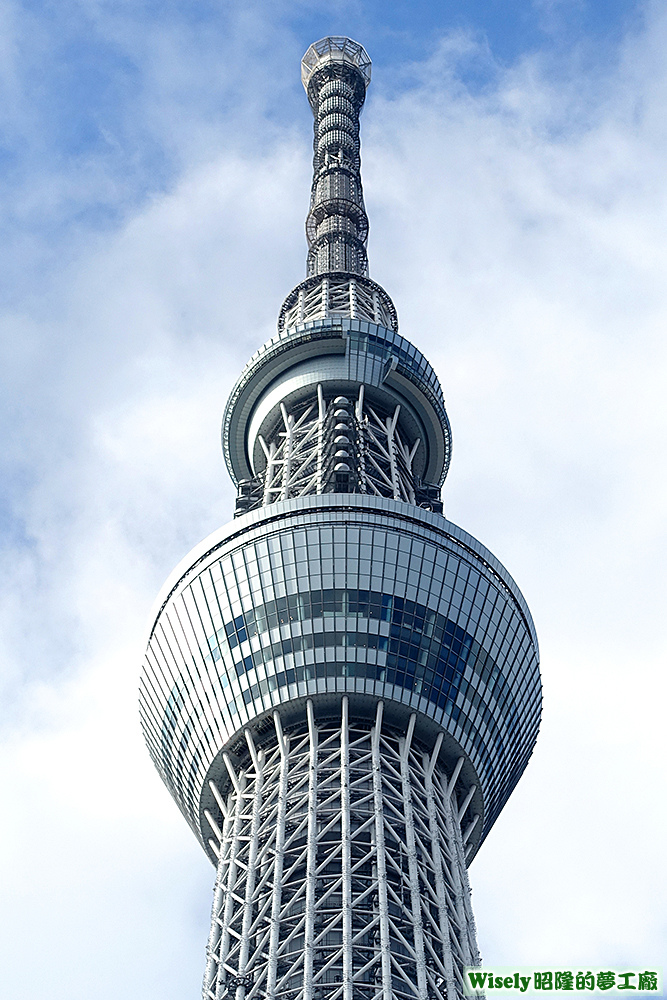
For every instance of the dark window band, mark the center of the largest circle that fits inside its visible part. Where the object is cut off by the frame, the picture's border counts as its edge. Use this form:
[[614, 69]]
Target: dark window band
[[422, 644]]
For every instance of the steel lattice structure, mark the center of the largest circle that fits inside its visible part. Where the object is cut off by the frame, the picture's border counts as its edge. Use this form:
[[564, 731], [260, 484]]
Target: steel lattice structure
[[341, 687], [341, 869], [336, 72], [336, 446]]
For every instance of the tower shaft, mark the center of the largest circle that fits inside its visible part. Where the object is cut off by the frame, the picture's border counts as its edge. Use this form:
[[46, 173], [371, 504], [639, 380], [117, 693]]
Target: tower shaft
[[341, 868], [337, 445]]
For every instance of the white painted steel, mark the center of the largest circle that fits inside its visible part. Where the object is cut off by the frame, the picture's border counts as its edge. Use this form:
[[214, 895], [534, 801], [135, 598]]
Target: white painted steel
[[438, 870], [342, 872], [466, 802], [218, 900], [381, 860], [311, 864], [346, 851], [251, 871], [276, 897], [301, 455]]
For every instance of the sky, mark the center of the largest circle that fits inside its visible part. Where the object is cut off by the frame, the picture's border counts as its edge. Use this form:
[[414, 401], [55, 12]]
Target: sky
[[155, 171]]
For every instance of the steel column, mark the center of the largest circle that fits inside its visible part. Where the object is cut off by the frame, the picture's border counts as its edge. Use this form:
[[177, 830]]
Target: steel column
[[311, 862], [278, 860], [341, 873], [381, 861]]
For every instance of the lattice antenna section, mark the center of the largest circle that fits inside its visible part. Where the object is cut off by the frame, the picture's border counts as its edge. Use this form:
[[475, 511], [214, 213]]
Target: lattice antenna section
[[336, 72], [334, 447], [341, 869]]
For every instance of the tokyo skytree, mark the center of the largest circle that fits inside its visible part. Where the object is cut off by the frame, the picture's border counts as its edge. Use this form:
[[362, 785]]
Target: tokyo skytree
[[341, 687]]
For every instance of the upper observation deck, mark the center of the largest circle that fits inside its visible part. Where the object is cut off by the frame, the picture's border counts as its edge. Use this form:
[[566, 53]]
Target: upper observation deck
[[340, 355]]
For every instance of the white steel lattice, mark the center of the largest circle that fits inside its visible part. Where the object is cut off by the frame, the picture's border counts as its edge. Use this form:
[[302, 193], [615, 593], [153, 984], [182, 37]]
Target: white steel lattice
[[338, 295], [336, 446], [336, 78], [341, 869]]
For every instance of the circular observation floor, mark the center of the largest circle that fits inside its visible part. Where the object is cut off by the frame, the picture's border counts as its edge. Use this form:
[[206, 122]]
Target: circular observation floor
[[337, 353], [331, 595]]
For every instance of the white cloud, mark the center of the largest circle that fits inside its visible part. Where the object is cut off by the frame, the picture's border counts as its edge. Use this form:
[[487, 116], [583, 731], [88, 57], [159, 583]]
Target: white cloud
[[119, 443], [530, 271]]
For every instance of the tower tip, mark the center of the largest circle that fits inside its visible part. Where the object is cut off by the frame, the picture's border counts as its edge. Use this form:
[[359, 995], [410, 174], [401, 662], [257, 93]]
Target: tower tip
[[335, 50]]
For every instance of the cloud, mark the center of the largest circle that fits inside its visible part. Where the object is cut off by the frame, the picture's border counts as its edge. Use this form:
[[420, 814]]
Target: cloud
[[529, 268], [531, 272], [114, 471]]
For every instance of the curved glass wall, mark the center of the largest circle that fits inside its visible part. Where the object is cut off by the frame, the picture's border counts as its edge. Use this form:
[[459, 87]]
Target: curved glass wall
[[324, 596]]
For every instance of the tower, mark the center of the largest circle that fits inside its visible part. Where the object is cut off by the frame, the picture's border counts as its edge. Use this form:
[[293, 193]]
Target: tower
[[341, 688]]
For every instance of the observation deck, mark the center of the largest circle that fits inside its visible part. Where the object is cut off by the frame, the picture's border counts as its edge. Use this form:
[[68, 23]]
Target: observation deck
[[338, 355], [332, 595]]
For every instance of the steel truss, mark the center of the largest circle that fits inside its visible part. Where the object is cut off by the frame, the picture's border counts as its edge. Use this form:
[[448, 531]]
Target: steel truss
[[341, 869], [333, 447], [337, 224], [338, 295]]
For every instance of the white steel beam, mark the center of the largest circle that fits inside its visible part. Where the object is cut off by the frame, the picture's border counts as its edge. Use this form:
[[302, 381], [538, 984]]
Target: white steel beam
[[276, 891], [455, 775], [235, 833], [417, 928], [218, 898], [466, 802], [346, 863], [248, 903], [311, 863], [342, 868], [381, 861], [436, 857]]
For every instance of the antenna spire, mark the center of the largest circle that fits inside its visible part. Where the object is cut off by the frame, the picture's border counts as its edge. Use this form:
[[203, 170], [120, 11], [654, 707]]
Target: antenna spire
[[335, 73]]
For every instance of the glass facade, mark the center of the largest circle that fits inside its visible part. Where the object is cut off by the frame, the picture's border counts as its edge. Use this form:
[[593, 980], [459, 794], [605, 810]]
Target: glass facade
[[331, 595]]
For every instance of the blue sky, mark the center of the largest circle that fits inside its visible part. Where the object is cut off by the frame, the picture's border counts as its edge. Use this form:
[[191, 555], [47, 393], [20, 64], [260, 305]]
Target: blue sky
[[155, 171], [99, 95]]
